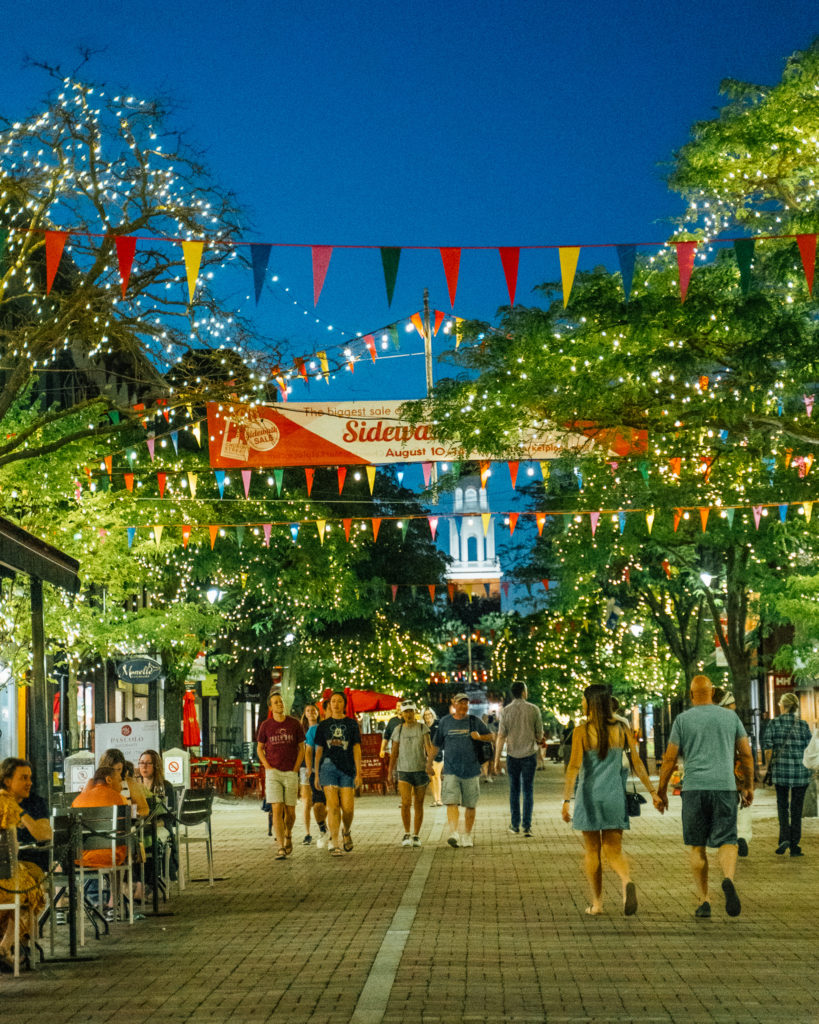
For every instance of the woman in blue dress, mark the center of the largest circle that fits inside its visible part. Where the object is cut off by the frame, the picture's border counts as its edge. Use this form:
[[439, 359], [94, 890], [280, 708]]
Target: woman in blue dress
[[598, 745]]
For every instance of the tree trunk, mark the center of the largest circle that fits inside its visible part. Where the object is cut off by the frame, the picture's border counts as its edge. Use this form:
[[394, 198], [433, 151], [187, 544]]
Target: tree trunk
[[175, 675], [71, 711]]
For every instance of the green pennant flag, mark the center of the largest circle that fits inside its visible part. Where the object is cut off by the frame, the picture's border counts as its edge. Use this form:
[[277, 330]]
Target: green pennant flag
[[744, 252], [456, 469], [404, 528], [103, 482], [113, 415], [390, 255], [567, 523], [729, 515], [395, 337], [643, 467], [278, 476], [240, 535]]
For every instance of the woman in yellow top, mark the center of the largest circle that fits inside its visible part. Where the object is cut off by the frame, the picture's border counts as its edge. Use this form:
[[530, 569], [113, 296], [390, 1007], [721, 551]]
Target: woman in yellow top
[[15, 786]]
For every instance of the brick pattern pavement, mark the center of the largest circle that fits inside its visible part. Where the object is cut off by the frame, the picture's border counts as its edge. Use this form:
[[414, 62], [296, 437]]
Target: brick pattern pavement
[[494, 934]]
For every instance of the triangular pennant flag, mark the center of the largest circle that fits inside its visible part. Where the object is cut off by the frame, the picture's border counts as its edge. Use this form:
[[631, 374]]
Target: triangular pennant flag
[[186, 535], [627, 257], [685, 264], [540, 519], [621, 519], [394, 589], [301, 369], [259, 258], [131, 535], [649, 520], [704, 518], [485, 470], [505, 588], [545, 470], [513, 473], [666, 567], [450, 589], [594, 518], [510, 257], [240, 535], [347, 524], [431, 589], [213, 531], [808, 462], [196, 430], [677, 518], [192, 481], [294, 531], [417, 323], [151, 443], [320, 524], [192, 253], [729, 515], [161, 479], [321, 261], [278, 478], [113, 415], [243, 578], [485, 518], [370, 471], [390, 257], [126, 248], [158, 534], [439, 319], [310, 475], [808, 400], [487, 589], [433, 525], [513, 522], [426, 469], [54, 245], [342, 476], [109, 464], [395, 337], [459, 331], [807, 508], [129, 481], [545, 584], [569, 255], [757, 510], [266, 531], [783, 513], [451, 259], [369, 341], [376, 524], [744, 252], [246, 475], [468, 589], [674, 464], [220, 481], [351, 365], [807, 250], [175, 440], [325, 366], [403, 527]]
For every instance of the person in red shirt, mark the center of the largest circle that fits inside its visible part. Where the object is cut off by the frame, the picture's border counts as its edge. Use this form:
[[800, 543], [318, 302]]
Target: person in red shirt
[[280, 746]]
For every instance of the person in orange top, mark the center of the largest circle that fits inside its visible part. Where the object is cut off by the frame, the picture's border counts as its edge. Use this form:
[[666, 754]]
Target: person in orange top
[[104, 790]]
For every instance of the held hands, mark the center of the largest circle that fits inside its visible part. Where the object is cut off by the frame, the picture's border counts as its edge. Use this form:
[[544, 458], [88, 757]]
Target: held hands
[[746, 797], [660, 802]]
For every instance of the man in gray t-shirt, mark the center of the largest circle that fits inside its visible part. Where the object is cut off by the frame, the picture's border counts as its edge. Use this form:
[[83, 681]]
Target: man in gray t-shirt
[[709, 739]]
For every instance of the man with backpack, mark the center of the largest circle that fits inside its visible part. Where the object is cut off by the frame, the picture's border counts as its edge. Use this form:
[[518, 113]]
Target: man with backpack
[[461, 736]]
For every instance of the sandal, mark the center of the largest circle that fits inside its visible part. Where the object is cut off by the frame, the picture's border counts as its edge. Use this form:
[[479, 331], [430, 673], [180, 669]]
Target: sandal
[[288, 844], [336, 852], [630, 901], [592, 912], [281, 855], [347, 838]]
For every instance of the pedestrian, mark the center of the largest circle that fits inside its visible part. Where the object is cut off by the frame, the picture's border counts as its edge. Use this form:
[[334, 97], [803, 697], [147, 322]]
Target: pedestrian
[[709, 739], [309, 718], [280, 748], [338, 770], [409, 755], [459, 733], [598, 748], [521, 729], [430, 720], [783, 742], [317, 797], [725, 699]]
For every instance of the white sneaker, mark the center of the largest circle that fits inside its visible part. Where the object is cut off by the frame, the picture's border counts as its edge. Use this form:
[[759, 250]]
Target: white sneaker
[[454, 841], [466, 839], [407, 840], [321, 840], [416, 841]]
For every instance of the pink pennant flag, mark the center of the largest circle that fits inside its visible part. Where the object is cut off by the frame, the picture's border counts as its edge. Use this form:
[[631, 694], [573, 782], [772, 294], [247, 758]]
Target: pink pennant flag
[[126, 248], [426, 469], [310, 475], [505, 588], [161, 479], [439, 319], [594, 518], [394, 589], [369, 341], [246, 474], [342, 475], [54, 245], [685, 264], [321, 261], [266, 530], [757, 515], [513, 472], [510, 257], [151, 442], [433, 525], [417, 323], [513, 522], [808, 400], [452, 262], [807, 250]]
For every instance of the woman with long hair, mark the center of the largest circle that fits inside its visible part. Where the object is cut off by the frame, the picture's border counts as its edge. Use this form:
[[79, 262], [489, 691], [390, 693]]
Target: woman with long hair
[[430, 720], [152, 776], [596, 762]]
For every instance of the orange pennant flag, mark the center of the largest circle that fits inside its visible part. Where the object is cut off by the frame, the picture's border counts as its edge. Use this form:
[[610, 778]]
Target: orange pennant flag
[[452, 261], [513, 522], [129, 481], [677, 518], [310, 475], [540, 519], [54, 245], [431, 589], [510, 257], [376, 524], [807, 250], [347, 524], [126, 248], [513, 472], [342, 475], [704, 518], [213, 530], [417, 323], [161, 479], [485, 470], [369, 341], [301, 368], [109, 463], [685, 264], [450, 589], [321, 261], [674, 465], [186, 535], [192, 253], [569, 255]]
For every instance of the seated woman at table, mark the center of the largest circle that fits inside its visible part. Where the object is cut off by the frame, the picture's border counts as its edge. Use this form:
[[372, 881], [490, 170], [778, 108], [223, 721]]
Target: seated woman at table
[[15, 786], [152, 777]]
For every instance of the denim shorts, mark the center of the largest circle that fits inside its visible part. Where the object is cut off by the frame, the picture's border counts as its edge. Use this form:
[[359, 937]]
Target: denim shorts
[[416, 779], [329, 775]]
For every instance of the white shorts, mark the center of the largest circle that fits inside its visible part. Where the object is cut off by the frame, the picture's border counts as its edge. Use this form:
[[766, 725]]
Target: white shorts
[[281, 787]]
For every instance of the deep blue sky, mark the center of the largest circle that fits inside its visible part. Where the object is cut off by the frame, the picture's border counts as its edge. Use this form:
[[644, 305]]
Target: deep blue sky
[[439, 123]]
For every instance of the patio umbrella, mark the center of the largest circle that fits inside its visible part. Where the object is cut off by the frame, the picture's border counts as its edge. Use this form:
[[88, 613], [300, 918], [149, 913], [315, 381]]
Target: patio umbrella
[[191, 737], [359, 702]]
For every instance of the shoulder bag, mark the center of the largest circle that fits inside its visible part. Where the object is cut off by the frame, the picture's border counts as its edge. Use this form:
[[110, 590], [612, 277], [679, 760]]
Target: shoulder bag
[[634, 800]]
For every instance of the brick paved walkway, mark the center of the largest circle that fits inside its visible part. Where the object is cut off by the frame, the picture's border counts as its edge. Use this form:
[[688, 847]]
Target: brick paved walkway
[[492, 934]]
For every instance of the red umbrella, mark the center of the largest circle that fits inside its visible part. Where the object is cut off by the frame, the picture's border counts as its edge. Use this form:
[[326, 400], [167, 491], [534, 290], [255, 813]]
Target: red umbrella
[[191, 737], [361, 701]]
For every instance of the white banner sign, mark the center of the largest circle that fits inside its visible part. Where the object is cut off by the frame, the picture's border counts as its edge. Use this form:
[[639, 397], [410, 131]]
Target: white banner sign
[[131, 738]]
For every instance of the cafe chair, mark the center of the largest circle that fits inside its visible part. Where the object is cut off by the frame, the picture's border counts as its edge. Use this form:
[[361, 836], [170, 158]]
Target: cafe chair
[[13, 900], [194, 811], [106, 828]]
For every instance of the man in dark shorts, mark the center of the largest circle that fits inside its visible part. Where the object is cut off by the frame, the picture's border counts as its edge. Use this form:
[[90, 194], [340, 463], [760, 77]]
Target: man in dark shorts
[[709, 739]]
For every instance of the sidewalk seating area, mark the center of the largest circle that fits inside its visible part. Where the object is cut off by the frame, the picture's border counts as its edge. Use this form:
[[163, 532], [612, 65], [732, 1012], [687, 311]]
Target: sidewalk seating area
[[227, 776]]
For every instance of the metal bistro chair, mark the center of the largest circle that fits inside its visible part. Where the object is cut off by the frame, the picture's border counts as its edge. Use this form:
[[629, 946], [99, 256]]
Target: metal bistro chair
[[106, 828], [194, 809], [12, 900]]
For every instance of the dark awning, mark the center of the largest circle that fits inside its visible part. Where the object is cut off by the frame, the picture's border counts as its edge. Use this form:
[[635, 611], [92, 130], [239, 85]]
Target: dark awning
[[23, 552]]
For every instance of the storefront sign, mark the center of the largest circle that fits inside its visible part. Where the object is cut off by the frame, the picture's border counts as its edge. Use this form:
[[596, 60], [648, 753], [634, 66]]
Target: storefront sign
[[130, 738], [139, 670]]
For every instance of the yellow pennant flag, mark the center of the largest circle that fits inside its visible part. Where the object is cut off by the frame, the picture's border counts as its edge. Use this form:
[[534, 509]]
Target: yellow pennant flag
[[192, 252], [158, 534], [459, 331], [243, 578], [485, 517], [807, 508], [569, 255], [371, 477], [545, 470], [320, 524], [192, 479], [325, 366], [468, 589], [649, 520], [196, 430]]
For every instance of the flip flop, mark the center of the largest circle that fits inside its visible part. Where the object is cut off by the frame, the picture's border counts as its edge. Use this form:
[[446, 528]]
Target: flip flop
[[288, 844], [336, 852], [281, 855], [592, 912], [630, 904], [347, 841], [733, 907]]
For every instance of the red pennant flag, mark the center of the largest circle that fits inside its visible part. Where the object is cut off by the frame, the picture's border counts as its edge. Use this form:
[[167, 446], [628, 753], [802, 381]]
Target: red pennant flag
[[109, 462], [452, 261], [394, 589], [129, 481], [347, 525], [540, 519], [186, 535], [677, 518], [213, 530], [126, 247], [513, 522], [685, 264], [431, 589], [513, 472], [302, 369], [376, 525], [321, 261], [510, 257], [439, 319], [667, 567], [54, 245], [807, 250], [342, 475], [310, 475], [161, 479], [545, 584], [450, 589], [369, 341], [627, 573], [505, 588]]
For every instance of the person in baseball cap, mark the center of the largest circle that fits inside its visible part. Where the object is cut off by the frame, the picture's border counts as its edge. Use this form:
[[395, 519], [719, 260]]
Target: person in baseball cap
[[409, 753]]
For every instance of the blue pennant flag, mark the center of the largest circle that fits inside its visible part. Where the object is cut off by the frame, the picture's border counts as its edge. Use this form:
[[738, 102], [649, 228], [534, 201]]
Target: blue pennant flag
[[220, 481], [131, 535], [175, 440], [260, 257], [783, 513], [294, 531], [627, 255], [622, 517]]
